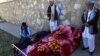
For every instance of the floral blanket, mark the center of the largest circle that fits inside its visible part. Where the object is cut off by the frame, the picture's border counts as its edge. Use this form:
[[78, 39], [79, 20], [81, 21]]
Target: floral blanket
[[62, 42]]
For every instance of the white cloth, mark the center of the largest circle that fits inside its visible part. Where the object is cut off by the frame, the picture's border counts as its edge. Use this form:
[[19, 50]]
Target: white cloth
[[88, 40], [53, 25], [89, 14], [52, 10]]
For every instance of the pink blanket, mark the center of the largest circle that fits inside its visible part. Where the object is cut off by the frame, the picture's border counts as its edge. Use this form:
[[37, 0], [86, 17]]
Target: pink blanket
[[62, 42]]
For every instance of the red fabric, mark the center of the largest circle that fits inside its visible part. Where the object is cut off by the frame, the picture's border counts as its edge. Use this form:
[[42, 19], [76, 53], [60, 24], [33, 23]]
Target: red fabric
[[67, 38]]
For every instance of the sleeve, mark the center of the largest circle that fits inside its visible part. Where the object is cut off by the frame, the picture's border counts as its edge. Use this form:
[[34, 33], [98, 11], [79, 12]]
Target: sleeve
[[29, 31], [82, 18], [20, 32], [58, 8], [48, 14]]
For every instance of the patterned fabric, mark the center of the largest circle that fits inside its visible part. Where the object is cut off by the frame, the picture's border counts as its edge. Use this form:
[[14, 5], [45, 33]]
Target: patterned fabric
[[62, 42]]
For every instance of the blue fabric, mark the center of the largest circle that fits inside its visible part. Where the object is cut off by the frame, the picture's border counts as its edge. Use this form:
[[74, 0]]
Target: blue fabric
[[24, 32], [39, 35], [42, 34]]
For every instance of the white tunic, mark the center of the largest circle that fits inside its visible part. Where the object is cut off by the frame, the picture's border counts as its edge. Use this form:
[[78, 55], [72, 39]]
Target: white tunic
[[89, 14]]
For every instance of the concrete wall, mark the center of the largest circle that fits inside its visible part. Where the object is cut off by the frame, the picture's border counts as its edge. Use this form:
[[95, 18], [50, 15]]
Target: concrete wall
[[34, 12]]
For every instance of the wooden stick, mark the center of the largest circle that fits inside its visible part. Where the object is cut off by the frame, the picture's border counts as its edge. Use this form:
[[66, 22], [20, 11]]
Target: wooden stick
[[19, 50]]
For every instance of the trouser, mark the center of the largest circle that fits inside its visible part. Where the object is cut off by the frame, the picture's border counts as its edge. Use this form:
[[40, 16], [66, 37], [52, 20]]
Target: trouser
[[88, 40], [23, 43], [53, 25]]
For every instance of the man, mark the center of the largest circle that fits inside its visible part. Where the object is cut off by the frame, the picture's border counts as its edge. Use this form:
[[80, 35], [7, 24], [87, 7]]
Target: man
[[25, 34], [90, 19], [53, 15]]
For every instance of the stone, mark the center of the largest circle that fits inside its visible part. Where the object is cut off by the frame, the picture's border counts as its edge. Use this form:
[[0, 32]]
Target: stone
[[34, 12]]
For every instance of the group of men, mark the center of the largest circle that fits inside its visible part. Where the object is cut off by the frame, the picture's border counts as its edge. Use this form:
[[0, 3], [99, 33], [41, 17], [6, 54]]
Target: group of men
[[89, 18]]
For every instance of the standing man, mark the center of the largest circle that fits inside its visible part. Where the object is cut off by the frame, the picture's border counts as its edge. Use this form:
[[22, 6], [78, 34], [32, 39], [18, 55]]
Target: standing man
[[53, 15], [90, 20]]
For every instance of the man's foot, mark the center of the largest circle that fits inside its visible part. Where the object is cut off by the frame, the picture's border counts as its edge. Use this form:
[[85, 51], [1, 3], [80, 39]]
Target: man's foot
[[91, 53], [83, 48]]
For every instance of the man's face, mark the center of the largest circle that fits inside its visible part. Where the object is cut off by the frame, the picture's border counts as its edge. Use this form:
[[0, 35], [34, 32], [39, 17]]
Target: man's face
[[89, 6]]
